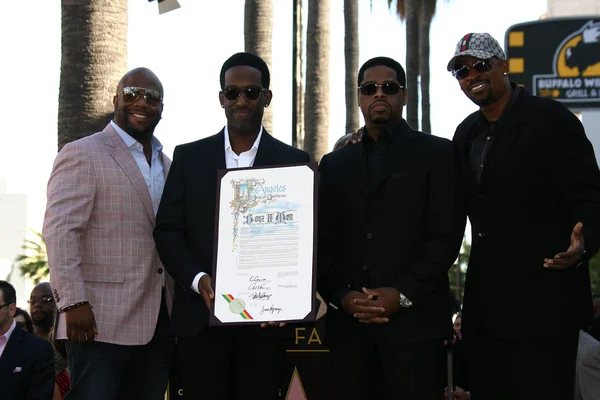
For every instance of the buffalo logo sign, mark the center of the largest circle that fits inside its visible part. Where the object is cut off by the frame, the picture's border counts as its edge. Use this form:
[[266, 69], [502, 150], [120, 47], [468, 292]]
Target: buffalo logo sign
[[576, 67]]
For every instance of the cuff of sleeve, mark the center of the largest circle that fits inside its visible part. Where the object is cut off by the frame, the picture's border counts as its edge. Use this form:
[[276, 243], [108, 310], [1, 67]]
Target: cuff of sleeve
[[196, 281], [338, 295]]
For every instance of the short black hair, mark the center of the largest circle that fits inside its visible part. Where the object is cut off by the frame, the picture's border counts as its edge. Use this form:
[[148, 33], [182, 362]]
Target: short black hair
[[386, 62], [28, 321], [249, 60], [8, 293]]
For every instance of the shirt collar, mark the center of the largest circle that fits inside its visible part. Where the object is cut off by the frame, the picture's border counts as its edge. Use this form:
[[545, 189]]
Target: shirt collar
[[131, 142], [10, 330], [254, 146]]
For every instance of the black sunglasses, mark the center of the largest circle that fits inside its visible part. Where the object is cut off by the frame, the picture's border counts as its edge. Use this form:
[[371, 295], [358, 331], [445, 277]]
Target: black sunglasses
[[131, 93], [4, 305], [481, 66], [41, 300], [388, 88], [251, 93]]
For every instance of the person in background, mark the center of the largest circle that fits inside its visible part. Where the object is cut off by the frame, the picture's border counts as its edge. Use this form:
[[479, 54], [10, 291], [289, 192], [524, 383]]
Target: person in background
[[23, 320], [26, 361]]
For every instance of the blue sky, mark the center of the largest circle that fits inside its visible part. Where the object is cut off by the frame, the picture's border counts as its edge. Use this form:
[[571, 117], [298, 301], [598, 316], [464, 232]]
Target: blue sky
[[186, 49]]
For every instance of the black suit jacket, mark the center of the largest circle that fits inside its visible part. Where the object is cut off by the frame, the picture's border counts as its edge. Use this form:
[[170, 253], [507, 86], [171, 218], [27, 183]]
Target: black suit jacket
[[185, 221], [397, 234], [27, 368], [540, 178]]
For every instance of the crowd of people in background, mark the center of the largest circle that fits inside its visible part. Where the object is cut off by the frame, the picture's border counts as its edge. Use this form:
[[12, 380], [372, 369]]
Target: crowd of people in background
[[130, 239]]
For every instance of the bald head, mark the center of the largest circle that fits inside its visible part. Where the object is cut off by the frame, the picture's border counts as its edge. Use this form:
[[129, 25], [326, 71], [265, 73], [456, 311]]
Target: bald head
[[42, 288], [138, 73], [139, 110]]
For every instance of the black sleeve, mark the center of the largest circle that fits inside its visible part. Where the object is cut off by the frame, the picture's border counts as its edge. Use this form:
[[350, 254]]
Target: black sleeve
[[42, 374], [329, 283], [170, 230], [442, 241]]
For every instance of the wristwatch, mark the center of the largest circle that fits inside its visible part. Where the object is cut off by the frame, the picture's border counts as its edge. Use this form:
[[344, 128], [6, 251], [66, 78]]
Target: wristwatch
[[404, 301], [580, 262]]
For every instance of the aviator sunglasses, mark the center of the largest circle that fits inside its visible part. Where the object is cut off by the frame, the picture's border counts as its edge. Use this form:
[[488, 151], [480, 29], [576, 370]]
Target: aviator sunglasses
[[132, 93], [251, 93], [388, 88], [481, 66]]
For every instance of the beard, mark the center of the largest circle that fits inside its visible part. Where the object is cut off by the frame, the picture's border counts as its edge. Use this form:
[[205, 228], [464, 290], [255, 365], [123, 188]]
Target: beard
[[145, 133], [42, 320]]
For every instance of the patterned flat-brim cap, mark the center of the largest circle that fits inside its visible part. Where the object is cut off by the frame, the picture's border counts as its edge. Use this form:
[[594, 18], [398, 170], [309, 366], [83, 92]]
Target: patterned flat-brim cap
[[478, 45]]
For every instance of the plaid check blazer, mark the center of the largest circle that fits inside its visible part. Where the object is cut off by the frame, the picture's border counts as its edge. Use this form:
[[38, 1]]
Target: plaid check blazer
[[98, 232]]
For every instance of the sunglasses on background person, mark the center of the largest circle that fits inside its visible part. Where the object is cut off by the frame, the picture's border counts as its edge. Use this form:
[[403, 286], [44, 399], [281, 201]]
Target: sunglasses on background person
[[388, 88], [41, 300], [131, 93], [251, 93], [481, 66]]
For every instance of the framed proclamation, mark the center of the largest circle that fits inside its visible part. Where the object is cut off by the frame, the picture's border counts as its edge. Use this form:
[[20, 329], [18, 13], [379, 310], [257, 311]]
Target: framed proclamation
[[264, 264]]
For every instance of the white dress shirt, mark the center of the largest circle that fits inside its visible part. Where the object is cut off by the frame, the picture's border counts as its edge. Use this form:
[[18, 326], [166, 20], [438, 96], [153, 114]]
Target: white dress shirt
[[232, 160], [153, 173], [4, 338]]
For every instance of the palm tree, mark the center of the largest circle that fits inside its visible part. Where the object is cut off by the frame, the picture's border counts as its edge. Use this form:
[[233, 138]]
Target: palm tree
[[316, 100], [418, 15], [409, 10], [351, 62], [297, 78], [94, 58], [33, 263], [426, 16], [258, 35]]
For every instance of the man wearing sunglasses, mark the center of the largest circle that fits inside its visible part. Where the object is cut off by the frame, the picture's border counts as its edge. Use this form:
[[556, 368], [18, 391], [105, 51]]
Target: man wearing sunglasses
[[531, 189], [386, 242], [227, 363], [107, 279], [26, 361]]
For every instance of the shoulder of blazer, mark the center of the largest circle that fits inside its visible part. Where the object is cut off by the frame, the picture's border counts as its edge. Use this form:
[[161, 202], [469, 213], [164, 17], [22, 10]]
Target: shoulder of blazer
[[463, 129], [206, 144], [279, 146]]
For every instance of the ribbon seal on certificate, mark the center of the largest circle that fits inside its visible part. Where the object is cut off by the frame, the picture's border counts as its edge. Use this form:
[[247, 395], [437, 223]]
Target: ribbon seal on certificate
[[237, 306]]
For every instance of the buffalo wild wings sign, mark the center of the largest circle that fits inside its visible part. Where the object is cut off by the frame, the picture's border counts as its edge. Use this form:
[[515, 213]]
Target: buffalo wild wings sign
[[557, 58]]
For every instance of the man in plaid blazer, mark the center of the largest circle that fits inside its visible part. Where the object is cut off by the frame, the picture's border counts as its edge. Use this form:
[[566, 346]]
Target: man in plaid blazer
[[108, 282]]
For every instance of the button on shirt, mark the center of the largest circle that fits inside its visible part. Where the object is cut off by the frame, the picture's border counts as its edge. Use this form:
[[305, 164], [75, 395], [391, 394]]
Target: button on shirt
[[232, 160], [4, 338]]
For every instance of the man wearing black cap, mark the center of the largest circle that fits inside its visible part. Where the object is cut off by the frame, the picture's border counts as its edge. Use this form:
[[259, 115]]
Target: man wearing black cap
[[531, 189]]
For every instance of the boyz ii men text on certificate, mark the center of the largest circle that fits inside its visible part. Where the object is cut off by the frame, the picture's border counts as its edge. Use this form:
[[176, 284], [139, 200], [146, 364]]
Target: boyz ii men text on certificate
[[264, 264]]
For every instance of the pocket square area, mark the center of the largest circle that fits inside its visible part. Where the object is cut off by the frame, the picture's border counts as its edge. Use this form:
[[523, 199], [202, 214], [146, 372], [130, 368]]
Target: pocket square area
[[17, 369]]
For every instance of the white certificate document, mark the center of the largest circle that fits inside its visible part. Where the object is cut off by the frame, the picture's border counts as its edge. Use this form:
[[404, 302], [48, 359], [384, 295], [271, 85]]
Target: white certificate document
[[265, 255]]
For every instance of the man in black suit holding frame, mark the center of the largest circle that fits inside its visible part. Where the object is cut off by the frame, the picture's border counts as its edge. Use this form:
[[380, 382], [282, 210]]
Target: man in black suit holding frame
[[387, 238], [230, 362]]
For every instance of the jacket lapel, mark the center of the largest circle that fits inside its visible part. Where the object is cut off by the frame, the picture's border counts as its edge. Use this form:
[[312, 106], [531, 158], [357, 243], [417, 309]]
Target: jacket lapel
[[266, 150], [218, 152], [399, 147], [509, 134], [12, 351], [462, 147], [121, 154]]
